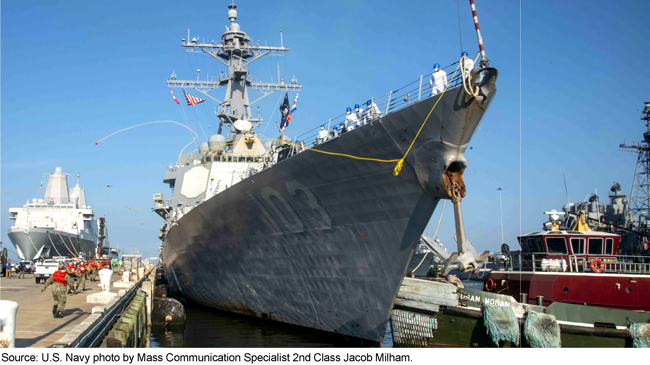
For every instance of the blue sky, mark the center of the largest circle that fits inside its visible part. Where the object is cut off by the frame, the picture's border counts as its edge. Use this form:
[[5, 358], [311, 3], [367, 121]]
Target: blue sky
[[571, 89]]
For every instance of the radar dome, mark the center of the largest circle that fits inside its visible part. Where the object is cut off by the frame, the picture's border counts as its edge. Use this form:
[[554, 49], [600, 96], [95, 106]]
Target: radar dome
[[74, 198], [203, 147], [243, 125], [234, 27], [217, 142], [232, 13]]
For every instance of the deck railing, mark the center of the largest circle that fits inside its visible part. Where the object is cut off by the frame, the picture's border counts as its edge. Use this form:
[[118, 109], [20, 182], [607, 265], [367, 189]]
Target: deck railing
[[540, 261], [388, 103]]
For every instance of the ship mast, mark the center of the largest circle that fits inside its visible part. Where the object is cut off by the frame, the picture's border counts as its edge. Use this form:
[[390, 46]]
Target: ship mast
[[640, 195], [235, 52]]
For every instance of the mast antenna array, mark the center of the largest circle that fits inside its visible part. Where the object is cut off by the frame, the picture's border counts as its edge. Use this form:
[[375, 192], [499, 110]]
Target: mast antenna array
[[640, 194], [237, 52]]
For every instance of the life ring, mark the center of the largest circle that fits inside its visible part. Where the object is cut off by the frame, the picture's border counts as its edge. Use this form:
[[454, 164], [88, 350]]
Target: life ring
[[597, 266], [490, 285]]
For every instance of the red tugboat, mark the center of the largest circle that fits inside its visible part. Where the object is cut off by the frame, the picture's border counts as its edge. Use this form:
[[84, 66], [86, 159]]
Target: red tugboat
[[573, 266], [597, 255]]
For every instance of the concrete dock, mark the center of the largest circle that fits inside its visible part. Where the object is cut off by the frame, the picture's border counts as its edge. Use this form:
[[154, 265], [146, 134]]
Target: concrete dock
[[35, 325]]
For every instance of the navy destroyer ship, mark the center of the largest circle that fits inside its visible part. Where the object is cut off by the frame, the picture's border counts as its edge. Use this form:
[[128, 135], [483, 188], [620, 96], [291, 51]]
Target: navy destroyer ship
[[322, 237], [59, 224]]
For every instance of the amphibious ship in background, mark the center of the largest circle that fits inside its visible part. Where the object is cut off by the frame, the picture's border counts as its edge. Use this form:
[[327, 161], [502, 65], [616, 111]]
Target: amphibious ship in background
[[286, 242], [60, 224]]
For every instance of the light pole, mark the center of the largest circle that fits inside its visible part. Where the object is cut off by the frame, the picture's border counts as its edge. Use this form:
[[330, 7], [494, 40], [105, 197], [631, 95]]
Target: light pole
[[108, 186], [141, 225], [501, 210]]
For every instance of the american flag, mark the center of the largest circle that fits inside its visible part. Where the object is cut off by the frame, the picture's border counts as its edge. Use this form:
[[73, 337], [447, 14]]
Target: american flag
[[173, 96], [645, 243], [191, 100]]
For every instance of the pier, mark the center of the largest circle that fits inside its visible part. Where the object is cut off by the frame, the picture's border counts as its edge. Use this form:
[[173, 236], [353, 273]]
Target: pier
[[83, 323]]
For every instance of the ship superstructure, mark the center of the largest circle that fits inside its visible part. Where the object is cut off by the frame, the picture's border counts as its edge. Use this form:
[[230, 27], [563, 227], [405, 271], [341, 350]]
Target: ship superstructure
[[59, 224], [280, 238]]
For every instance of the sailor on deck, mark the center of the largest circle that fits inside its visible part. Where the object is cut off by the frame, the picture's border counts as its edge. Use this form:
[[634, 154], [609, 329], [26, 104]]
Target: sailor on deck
[[372, 111], [322, 135], [274, 154], [334, 133], [361, 114], [438, 82], [351, 120], [466, 64], [342, 128]]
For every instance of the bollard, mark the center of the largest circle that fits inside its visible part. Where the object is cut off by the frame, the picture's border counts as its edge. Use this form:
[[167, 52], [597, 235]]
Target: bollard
[[8, 310], [523, 298], [105, 279], [540, 300]]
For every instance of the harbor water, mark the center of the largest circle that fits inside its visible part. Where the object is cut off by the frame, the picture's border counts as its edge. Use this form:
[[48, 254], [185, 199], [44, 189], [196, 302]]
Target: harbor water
[[205, 327]]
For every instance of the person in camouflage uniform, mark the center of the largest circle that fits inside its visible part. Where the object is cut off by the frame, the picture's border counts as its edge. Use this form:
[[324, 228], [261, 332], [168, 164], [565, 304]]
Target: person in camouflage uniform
[[93, 271], [59, 280], [81, 273]]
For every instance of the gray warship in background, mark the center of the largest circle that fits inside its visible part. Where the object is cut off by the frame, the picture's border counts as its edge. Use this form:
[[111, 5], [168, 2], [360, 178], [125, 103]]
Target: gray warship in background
[[317, 240], [629, 218], [60, 224]]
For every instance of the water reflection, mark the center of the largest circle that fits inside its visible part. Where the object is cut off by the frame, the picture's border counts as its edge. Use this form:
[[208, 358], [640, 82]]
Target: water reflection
[[205, 327]]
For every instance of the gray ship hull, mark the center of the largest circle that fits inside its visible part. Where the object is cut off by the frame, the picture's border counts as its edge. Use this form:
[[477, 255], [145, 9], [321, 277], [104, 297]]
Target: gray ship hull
[[40, 242], [323, 241]]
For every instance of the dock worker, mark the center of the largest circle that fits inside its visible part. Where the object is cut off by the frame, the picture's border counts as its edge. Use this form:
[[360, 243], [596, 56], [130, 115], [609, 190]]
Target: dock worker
[[82, 276], [372, 110], [8, 269], [361, 114], [438, 82], [322, 135], [342, 128], [466, 64], [93, 267], [351, 120], [22, 266], [70, 269], [59, 280]]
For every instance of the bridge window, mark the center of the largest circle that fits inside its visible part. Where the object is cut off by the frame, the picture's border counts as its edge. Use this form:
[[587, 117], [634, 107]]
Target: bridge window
[[556, 245], [609, 246], [595, 246], [578, 246]]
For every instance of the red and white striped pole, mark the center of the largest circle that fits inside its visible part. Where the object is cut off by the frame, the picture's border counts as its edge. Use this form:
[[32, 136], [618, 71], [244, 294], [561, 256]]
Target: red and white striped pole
[[478, 34]]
